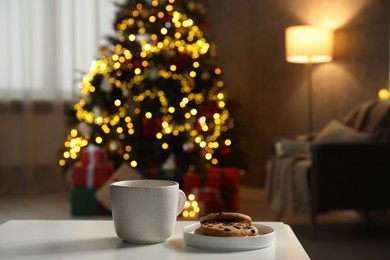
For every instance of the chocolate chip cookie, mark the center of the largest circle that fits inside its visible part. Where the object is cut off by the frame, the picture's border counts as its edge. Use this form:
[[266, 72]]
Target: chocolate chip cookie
[[226, 217], [228, 229]]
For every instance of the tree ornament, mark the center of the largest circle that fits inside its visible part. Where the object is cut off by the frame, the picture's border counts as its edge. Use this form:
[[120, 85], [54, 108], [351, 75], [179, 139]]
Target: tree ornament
[[116, 24], [106, 86], [137, 64], [169, 54], [153, 74], [190, 80], [167, 18], [84, 129], [97, 111], [144, 38], [113, 146], [205, 75], [209, 109], [144, 13], [181, 61], [150, 127], [226, 151], [126, 93], [188, 146]]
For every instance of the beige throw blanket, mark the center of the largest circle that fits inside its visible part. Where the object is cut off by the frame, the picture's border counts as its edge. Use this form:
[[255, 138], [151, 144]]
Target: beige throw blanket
[[286, 188]]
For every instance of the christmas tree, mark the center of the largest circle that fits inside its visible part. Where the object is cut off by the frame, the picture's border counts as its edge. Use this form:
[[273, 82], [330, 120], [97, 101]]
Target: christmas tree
[[156, 93]]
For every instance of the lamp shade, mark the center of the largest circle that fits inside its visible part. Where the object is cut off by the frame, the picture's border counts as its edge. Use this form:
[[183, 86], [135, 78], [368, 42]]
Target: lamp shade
[[309, 44]]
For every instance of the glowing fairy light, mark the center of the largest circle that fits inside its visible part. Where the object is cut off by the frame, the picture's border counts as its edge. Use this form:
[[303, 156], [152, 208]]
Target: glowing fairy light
[[191, 207], [124, 68]]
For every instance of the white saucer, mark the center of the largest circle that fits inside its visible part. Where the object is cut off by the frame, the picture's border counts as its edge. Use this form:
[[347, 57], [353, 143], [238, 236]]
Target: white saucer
[[265, 238]]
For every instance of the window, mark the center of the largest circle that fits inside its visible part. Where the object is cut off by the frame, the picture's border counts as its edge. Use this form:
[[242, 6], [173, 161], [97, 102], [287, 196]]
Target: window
[[47, 45]]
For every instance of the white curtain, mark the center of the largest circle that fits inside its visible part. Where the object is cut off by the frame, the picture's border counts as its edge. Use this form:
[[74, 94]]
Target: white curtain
[[45, 47]]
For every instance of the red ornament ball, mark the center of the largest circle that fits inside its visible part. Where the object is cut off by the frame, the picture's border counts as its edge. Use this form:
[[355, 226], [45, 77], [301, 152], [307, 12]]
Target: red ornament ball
[[150, 127], [226, 151]]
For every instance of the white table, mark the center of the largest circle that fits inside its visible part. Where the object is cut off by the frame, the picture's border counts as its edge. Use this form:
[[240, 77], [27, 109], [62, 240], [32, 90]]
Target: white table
[[83, 239]]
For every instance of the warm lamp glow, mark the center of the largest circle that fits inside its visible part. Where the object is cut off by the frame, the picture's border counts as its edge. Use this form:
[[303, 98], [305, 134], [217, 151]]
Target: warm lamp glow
[[309, 44], [384, 94]]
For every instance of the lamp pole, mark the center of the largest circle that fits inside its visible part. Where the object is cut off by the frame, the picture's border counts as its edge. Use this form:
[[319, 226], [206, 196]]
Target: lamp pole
[[308, 44], [309, 72]]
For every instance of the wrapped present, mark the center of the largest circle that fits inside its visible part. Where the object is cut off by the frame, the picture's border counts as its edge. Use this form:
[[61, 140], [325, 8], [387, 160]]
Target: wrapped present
[[191, 181], [207, 190], [93, 170], [224, 180], [83, 203], [230, 182], [213, 180], [230, 176], [124, 172], [93, 154], [91, 175], [210, 200]]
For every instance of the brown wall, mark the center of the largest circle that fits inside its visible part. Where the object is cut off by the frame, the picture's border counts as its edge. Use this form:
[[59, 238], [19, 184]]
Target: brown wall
[[272, 93]]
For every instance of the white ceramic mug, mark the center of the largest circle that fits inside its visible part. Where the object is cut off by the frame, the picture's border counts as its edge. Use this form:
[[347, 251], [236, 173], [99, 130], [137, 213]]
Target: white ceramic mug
[[145, 211]]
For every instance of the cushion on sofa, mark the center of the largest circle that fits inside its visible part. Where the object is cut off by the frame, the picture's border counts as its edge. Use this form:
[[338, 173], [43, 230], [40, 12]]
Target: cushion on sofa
[[335, 131]]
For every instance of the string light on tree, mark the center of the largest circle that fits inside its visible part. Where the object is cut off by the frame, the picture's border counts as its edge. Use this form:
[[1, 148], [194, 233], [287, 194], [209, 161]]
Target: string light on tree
[[191, 207], [156, 91]]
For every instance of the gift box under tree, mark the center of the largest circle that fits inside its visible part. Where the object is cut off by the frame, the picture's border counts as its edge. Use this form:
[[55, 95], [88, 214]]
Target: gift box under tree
[[218, 184], [84, 203], [89, 174], [93, 169], [209, 199]]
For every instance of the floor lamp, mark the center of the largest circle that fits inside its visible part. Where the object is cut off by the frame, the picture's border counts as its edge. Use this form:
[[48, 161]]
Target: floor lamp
[[307, 44]]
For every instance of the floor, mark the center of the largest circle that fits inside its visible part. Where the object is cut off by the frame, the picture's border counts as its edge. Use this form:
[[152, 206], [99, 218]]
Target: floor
[[340, 235]]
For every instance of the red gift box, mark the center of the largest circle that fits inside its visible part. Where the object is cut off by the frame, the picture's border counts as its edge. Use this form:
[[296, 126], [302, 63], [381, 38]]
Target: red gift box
[[91, 176], [93, 154], [210, 199], [195, 181], [230, 176], [224, 180], [213, 180], [230, 183], [191, 181]]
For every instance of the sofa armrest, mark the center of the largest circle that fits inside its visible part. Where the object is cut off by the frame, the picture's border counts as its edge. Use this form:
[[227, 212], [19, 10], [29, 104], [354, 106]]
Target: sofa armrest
[[292, 147], [350, 175]]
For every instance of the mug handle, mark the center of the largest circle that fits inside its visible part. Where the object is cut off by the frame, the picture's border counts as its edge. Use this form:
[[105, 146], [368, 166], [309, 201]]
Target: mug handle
[[182, 202]]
